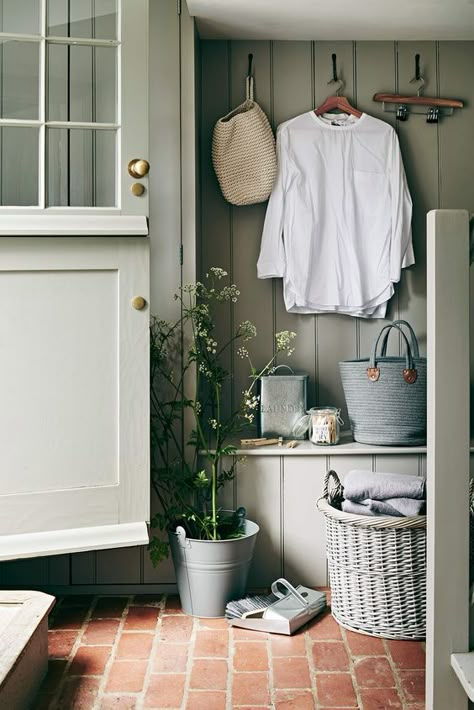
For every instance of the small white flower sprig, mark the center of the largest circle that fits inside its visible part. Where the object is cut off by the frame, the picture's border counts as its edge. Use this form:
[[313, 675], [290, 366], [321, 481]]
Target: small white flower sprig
[[214, 425], [284, 340]]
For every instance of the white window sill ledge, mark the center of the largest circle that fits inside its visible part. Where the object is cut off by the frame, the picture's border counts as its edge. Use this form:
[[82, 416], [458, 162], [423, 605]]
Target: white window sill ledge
[[73, 225]]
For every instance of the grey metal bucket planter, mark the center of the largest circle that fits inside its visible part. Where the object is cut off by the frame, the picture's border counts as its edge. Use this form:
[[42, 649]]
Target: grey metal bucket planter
[[209, 573]]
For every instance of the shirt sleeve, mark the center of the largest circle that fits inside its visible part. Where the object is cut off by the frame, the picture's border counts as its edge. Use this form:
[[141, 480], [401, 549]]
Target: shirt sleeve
[[401, 248], [272, 261]]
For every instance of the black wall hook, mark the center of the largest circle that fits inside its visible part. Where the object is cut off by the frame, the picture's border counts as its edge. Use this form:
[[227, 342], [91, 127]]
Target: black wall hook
[[417, 67], [334, 67], [250, 71]]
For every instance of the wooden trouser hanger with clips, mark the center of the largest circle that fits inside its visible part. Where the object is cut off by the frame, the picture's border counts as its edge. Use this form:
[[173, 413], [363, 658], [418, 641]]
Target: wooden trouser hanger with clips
[[434, 103]]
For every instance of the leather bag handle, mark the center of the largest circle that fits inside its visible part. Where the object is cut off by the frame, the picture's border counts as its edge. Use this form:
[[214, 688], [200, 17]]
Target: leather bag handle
[[373, 371], [415, 351]]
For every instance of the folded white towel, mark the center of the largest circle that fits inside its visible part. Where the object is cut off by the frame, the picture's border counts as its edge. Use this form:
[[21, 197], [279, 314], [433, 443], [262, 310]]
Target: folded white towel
[[360, 485]]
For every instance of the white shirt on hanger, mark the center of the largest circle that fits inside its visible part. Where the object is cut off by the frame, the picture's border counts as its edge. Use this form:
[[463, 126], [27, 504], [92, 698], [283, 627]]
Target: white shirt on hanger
[[338, 224]]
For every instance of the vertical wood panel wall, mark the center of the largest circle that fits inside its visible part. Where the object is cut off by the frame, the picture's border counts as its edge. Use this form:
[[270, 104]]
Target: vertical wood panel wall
[[290, 78]]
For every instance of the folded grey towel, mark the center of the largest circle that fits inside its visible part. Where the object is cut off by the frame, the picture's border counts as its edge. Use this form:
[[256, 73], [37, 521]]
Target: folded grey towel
[[348, 506], [406, 507], [400, 507], [360, 485]]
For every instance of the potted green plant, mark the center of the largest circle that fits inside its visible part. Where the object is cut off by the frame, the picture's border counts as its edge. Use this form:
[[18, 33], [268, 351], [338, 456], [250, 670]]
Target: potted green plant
[[193, 435]]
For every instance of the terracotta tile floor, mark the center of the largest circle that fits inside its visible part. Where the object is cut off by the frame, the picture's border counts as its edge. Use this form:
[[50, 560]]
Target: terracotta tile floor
[[143, 652]]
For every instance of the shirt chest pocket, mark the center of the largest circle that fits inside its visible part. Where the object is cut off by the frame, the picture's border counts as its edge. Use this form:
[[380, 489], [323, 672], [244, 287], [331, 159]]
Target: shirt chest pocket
[[369, 189]]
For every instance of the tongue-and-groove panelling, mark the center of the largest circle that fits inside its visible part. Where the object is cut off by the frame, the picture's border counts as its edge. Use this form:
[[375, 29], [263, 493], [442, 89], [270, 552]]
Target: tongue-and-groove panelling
[[290, 78]]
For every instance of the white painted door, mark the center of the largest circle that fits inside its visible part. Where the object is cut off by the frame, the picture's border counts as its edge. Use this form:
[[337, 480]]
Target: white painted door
[[74, 422], [73, 110], [74, 418]]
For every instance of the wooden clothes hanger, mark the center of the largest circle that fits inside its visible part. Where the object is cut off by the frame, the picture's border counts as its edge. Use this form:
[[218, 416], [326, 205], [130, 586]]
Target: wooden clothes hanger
[[337, 102], [418, 99]]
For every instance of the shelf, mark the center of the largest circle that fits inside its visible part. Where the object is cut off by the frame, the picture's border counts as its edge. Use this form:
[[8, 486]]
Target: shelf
[[346, 447]]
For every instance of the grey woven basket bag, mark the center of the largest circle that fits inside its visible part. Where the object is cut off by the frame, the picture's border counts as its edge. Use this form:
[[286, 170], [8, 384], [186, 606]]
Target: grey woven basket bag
[[386, 395], [377, 569]]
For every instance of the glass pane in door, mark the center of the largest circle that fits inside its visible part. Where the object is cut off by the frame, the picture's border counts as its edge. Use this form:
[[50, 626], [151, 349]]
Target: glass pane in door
[[18, 166], [82, 83], [19, 86], [82, 18], [20, 16], [81, 168]]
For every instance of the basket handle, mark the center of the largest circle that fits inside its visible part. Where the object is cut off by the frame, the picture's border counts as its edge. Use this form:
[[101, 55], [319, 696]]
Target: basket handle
[[333, 490], [415, 351], [409, 373], [471, 496]]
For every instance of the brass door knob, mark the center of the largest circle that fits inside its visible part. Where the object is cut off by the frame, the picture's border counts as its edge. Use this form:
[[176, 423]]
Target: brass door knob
[[138, 167], [138, 303], [137, 189]]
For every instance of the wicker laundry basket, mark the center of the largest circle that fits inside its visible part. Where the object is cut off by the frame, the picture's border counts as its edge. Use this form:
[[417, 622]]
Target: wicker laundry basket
[[377, 569]]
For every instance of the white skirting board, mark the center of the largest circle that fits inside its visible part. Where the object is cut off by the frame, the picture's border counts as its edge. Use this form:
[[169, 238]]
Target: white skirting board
[[58, 542]]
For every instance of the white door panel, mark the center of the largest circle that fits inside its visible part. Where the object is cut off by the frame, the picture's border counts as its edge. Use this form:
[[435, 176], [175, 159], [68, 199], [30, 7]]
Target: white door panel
[[59, 341], [74, 439]]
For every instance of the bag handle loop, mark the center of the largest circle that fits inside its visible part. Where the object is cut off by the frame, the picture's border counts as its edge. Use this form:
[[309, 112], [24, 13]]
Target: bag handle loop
[[415, 351], [409, 373], [249, 88]]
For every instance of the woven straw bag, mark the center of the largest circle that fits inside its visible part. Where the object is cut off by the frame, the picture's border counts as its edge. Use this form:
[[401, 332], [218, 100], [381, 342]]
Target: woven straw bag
[[385, 395], [377, 569], [243, 153]]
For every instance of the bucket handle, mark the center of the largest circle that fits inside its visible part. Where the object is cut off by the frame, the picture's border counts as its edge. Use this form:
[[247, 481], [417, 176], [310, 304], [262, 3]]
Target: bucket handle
[[182, 539]]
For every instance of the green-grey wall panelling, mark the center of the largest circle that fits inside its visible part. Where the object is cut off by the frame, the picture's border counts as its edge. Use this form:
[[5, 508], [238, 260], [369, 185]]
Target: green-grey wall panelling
[[247, 224], [164, 146], [83, 566], [456, 134], [59, 568], [337, 334], [164, 571], [259, 491], [375, 72], [293, 94], [393, 463], [216, 225], [456, 144], [419, 144], [120, 566], [25, 573], [303, 526]]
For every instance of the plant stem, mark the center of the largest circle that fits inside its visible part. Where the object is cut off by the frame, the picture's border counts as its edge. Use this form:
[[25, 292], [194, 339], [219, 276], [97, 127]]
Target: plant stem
[[215, 462], [214, 499]]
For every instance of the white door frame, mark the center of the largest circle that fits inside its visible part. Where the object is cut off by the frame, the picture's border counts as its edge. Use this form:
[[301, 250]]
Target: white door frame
[[447, 455]]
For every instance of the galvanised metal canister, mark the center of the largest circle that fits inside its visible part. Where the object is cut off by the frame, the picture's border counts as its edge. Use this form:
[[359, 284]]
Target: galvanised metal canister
[[283, 401]]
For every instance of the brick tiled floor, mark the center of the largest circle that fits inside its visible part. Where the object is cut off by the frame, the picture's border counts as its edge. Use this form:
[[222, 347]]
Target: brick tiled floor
[[140, 653]]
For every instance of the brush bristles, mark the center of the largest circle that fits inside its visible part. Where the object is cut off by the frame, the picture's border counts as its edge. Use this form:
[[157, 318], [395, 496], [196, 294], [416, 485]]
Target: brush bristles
[[236, 609]]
